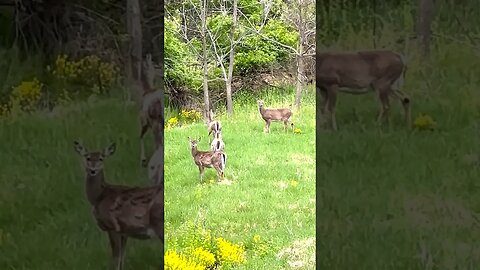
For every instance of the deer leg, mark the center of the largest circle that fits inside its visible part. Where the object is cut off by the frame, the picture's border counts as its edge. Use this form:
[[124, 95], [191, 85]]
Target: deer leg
[[142, 145], [384, 104], [323, 104], [331, 103], [123, 242], [405, 100], [268, 126], [202, 171], [115, 244]]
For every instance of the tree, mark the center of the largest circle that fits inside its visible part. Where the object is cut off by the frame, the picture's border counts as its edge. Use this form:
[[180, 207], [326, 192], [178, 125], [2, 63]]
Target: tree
[[424, 21], [134, 58], [228, 82], [206, 99]]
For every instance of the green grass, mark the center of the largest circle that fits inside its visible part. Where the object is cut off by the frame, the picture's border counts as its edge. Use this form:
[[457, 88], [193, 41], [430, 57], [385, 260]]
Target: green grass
[[45, 219], [261, 200], [382, 190]]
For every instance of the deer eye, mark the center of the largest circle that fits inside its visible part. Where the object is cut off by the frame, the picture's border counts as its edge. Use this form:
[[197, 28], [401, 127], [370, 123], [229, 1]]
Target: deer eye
[[88, 158], [100, 158]]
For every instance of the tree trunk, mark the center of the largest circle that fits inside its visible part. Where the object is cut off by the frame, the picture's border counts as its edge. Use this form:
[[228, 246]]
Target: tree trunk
[[300, 60], [206, 99], [424, 21], [135, 48], [228, 85]]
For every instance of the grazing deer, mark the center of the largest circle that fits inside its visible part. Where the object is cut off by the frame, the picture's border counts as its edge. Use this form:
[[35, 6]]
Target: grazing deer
[[208, 159], [155, 168], [381, 70], [217, 143], [151, 113], [272, 114], [214, 126], [121, 211]]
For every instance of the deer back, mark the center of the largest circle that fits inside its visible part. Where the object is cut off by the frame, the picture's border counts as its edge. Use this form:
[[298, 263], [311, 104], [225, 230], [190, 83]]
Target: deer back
[[207, 158], [358, 69], [276, 114]]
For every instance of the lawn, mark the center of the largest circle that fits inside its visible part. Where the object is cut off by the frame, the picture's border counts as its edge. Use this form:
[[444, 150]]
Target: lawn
[[272, 193], [389, 198]]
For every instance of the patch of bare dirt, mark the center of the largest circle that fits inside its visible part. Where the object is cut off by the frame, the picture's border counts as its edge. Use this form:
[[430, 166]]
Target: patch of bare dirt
[[300, 254], [431, 211]]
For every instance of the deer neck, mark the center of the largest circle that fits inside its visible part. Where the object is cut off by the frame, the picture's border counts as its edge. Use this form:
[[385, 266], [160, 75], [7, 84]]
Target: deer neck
[[194, 151], [262, 110], [94, 187]]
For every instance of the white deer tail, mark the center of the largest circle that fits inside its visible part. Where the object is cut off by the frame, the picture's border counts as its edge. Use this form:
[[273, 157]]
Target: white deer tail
[[224, 162]]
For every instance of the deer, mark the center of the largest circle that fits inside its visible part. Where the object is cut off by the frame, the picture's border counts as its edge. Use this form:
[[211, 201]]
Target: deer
[[151, 112], [214, 126], [359, 73], [217, 143], [155, 168], [121, 211], [274, 114], [208, 159]]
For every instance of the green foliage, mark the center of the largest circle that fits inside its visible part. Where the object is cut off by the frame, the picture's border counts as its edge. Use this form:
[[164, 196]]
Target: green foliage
[[182, 66], [257, 52]]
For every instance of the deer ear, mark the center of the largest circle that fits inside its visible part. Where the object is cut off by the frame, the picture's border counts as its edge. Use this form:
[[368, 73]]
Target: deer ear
[[110, 150], [79, 148]]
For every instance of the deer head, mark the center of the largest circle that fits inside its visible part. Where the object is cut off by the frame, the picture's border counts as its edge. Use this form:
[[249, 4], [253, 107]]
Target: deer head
[[260, 103], [94, 160]]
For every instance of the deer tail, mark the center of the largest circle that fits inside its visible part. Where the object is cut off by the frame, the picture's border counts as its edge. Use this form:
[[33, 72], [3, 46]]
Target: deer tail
[[224, 162]]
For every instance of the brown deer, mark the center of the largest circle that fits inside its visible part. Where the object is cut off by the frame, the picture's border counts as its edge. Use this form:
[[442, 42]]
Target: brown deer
[[274, 114], [151, 113], [217, 143], [121, 211], [155, 168], [214, 126], [208, 159], [360, 72]]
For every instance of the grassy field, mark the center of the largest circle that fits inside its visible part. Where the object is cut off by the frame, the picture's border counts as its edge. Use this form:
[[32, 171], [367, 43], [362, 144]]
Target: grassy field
[[272, 194], [389, 198], [45, 219]]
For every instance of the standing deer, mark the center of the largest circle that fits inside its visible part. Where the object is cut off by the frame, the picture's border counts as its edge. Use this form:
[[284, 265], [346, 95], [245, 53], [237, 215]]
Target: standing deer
[[208, 159], [214, 126], [362, 71], [121, 211], [151, 113], [217, 143], [155, 168], [273, 114]]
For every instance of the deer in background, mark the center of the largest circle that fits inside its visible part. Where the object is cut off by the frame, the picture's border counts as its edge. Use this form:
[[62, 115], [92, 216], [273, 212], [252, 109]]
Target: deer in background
[[217, 143], [214, 126], [361, 72], [208, 159], [274, 114], [151, 113], [155, 168], [121, 211]]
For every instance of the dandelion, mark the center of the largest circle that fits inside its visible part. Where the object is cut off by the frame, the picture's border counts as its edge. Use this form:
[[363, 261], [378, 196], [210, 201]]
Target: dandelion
[[256, 238], [174, 261], [424, 122], [229, 252], [297, 131], [27, 94], [294, 183], [172, 122], [204, 257]]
